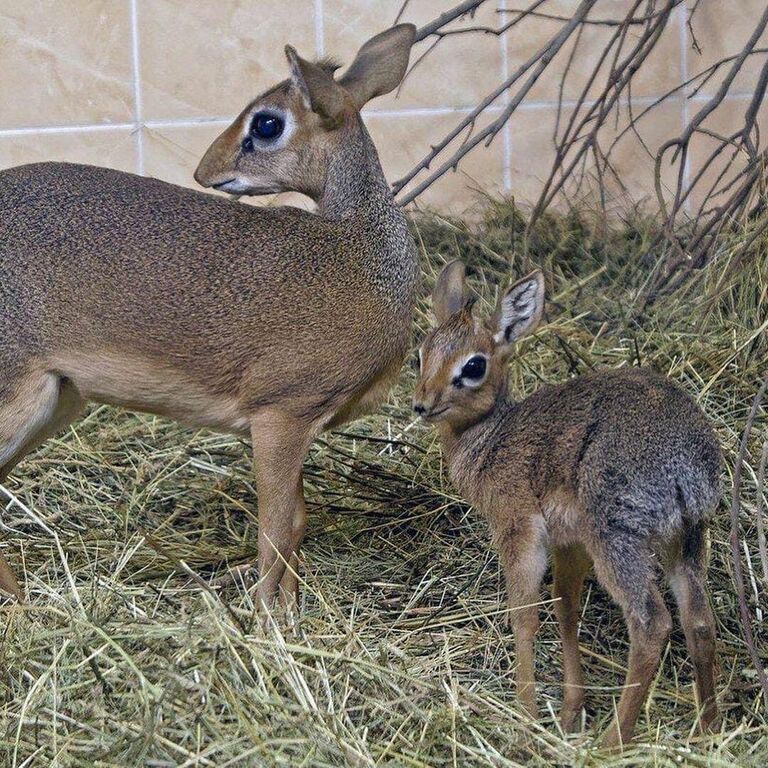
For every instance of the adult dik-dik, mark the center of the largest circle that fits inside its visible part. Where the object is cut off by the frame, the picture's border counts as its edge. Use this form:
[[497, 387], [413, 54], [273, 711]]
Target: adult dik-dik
[[273, 322], [616, 468]]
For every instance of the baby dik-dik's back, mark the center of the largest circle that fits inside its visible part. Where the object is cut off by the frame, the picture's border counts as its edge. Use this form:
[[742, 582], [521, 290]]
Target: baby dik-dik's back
[[625, 450], [614, 469]]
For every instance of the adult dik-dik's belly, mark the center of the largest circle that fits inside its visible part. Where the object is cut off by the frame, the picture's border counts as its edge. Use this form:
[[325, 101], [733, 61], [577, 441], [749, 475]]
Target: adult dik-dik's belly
[[148, 386], [369, 396]]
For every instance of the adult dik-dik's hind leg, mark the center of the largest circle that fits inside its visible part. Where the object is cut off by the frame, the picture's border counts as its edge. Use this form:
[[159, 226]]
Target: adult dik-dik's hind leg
[[280, 444], [32, 409], [570, 567], [624, 566], [687, 577]]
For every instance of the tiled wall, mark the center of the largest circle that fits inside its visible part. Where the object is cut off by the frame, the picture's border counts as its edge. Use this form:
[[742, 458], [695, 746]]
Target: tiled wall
[[145, 85]]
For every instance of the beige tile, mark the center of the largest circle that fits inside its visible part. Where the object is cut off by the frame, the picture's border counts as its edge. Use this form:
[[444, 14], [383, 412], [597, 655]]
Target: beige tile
[[457, 73], [64, 62], [716, 175], [113, 148], [723, 31], [634, 155], [577, 60], [207, 59], [533, 155], [532, 151], [172, 154], [402, 141]]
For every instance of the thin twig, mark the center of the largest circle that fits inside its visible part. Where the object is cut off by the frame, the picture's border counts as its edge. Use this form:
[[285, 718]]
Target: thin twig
[[759, 513], [738, 575]]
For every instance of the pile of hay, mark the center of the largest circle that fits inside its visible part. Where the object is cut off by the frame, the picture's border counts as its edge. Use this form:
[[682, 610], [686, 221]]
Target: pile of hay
[[123, 657]]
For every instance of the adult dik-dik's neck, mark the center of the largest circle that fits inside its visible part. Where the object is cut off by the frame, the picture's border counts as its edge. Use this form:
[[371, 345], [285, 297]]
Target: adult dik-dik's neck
[[355, 184], [356, 192]]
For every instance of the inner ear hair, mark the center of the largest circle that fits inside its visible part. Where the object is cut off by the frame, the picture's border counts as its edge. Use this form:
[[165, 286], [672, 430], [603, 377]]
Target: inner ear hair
[[519, 309]]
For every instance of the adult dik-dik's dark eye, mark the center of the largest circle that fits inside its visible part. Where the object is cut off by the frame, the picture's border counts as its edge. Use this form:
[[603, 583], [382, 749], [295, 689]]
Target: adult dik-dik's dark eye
[[266, 126], [474, 368]]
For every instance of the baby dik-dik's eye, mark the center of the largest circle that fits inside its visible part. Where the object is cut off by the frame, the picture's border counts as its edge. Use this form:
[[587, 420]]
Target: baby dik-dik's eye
[[472, 372], [266, 126]]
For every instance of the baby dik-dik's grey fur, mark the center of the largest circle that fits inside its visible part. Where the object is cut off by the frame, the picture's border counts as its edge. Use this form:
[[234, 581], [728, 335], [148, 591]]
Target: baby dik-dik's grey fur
[[617, 469], [273, 322]]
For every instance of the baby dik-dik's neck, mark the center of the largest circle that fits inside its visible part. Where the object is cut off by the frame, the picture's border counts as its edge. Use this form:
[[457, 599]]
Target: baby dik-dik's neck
[[467, 447]]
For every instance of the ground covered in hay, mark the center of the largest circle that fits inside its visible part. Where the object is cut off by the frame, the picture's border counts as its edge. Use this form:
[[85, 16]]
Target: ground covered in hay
[[123, 656]]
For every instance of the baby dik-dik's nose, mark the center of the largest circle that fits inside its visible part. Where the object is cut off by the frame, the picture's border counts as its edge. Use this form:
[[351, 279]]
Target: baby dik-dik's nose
[[423, 404]]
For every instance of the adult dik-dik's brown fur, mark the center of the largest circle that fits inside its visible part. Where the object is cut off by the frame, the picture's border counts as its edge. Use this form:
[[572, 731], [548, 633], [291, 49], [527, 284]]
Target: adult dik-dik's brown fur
[[618, 469], [272, 322]]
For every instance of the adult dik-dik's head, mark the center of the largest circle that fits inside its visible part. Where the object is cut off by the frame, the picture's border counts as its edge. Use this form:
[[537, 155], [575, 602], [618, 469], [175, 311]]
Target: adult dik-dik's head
[[285, 139]]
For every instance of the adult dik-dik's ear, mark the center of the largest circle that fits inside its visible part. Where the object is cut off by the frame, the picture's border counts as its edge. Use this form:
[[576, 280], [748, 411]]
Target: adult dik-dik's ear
[[519, 309], [318, 89], [380, 64], [450, 292]]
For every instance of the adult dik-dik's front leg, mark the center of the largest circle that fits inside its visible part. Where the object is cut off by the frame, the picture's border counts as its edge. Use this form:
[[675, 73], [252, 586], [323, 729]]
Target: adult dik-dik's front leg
[[280, 444]]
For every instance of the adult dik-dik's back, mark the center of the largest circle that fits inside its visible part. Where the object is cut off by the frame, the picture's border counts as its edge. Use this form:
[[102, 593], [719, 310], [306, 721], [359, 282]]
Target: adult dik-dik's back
[[275, 322]]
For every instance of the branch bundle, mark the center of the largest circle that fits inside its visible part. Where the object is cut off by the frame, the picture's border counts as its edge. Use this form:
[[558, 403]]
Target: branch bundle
[[725, 192]]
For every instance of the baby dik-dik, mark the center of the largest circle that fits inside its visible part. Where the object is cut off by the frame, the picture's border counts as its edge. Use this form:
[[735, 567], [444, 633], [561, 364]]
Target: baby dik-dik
[[272, 322], [616, 469]]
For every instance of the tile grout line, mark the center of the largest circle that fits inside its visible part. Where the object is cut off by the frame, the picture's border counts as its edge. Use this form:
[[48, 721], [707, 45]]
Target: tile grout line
[[319, 29], [53, 129], [507, 137], [685, 112], [374, 113], [139, 134]]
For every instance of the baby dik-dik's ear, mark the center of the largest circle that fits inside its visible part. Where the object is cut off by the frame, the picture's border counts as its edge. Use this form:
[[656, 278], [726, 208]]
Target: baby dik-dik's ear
[[380, 64], [519, 309], [450, 292], [318, 89]]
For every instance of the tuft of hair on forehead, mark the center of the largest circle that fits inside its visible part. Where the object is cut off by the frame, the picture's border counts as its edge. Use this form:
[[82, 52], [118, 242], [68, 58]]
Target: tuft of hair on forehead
[[453, 332], [328, 64]]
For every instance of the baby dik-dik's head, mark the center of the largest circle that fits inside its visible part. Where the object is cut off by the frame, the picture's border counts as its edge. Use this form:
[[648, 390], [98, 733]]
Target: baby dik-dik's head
[[283, 140], [463, 359]]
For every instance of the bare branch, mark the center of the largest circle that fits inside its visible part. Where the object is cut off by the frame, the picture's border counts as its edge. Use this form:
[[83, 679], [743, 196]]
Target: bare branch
[[759, 513], [462, 9], [539, 63], [738, 575], [698, 206]]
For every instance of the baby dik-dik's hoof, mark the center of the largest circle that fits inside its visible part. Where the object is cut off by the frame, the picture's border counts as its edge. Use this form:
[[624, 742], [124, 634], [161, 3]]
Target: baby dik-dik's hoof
[[8, 581], [710, 720], [284, 602], [245, 574], [570, 718]]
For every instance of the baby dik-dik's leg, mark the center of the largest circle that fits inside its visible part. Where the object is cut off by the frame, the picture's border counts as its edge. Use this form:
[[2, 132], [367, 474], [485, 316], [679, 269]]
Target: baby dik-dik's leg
[[280, 444], [687, 577], [625, 568], [570, 567], [523, 557]]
